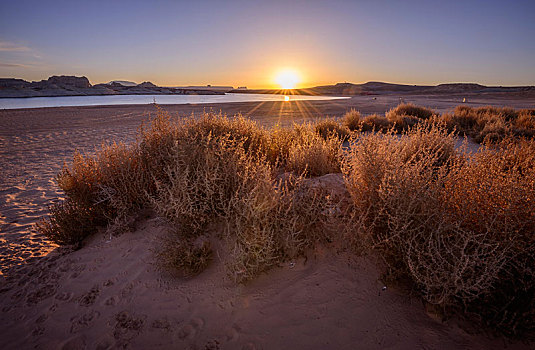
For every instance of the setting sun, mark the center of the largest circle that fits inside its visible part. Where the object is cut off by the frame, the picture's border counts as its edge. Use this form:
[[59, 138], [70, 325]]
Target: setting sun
[[287, 79]]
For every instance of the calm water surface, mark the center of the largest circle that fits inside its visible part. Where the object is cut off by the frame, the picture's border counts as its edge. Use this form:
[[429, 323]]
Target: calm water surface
[[64, 101]]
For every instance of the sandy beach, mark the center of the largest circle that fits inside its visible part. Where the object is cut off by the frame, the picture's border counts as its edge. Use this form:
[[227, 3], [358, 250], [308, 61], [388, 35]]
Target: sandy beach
[[109, 294]]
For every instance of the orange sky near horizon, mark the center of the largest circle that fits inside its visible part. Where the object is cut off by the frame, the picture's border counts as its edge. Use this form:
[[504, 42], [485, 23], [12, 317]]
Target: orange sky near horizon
[[245, 43]]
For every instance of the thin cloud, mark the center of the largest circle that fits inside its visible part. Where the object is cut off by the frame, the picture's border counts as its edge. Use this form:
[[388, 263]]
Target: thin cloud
[[7, 46], [14, 65]]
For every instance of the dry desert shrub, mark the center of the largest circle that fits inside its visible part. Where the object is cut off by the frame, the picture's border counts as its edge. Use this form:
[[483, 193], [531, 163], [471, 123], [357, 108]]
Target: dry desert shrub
[[524, 125], [352, 120], [274, 223], [495, 194], [69, 222], [303, 151], [124, 178], [491, 124], [238, 129], [80, 180], [376, 122], [461, 229], [402, 122], [373, 156], [281, 139], [81, 213], [329, 127], [314, 157], [200, 180], [208, 178], [408, 109], [186, 256]]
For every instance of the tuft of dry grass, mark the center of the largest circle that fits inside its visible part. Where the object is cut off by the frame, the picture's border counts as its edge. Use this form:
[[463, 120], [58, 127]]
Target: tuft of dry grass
[[314, 157]]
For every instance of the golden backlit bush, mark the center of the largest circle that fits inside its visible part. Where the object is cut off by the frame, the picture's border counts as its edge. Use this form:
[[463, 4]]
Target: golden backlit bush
[[302, 150], [376, 122], [409, 109], [329, 127], [314, 157], [275, 223], [492, 124], [460, 227], [402, 122], [353, 120], [195, 172]]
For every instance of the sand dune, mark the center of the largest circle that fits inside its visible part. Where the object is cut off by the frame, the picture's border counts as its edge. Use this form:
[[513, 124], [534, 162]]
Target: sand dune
[[109, 294]]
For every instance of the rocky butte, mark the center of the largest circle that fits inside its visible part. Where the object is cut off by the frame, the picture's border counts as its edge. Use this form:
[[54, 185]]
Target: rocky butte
[[65, 85]]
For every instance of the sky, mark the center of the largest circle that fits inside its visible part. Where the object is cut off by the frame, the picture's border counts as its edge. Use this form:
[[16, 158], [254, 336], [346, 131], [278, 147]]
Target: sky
[[245, 43]]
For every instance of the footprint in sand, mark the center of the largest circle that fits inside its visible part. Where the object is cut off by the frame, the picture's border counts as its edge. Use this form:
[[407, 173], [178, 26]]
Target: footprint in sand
[[162, 324], [108, 283], [78, 269], [89, 298], [111, 301], [83, 321], [212, 345], [37, 331], [41, 318], [63, 296], [190, 330], [41, 294], [233, 333], [127, 326]]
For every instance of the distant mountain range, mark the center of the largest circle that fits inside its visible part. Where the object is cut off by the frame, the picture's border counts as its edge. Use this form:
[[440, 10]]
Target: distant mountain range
[[379, 88], [80, 86]]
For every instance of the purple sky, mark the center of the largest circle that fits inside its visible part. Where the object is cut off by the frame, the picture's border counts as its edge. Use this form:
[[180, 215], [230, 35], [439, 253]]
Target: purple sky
[[246, 42]]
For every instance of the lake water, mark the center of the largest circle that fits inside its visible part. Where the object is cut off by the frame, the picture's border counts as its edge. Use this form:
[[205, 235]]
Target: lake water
[[63, 101]]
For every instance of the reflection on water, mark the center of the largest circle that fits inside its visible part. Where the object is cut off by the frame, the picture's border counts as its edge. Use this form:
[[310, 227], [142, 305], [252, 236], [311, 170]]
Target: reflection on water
[[64, 101]]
